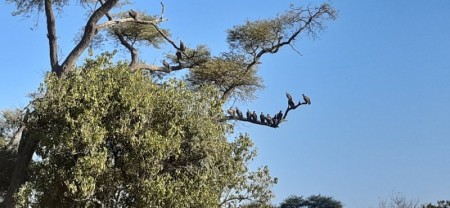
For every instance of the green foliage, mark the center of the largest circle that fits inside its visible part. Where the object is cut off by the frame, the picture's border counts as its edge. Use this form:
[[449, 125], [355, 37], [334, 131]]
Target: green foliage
[[138, 33], [313, 201], [111, 137]]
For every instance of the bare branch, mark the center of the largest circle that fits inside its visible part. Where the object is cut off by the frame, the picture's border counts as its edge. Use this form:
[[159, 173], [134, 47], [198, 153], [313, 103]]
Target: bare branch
[[51, 35]]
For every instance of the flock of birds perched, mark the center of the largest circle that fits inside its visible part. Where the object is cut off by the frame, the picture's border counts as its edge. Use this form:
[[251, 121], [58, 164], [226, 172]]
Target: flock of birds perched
[[274, 121]]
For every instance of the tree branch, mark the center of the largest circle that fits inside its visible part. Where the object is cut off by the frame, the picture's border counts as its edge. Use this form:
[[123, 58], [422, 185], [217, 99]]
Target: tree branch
[[51, 35], [90, 30]]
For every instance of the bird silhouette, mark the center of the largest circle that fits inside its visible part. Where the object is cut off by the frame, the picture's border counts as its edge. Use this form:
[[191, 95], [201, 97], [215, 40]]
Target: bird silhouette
[[239, 113], [254, 116], [280, 115], [262, 118], [133, 14], [249, 115], [179, 56], [306, 99], [269, 119], [290, 101], [182, 46], [165, 64]]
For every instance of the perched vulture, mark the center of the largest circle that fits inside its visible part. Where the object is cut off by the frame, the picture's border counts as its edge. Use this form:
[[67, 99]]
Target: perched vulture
[[269, 119], [133, 14], [249, 115], [275, 121], [306, 99], [182, 46], [262, 118], [231, 111], [179, 57], [255, 117], [279, 115], [165, 64], [290, 101], [239, 113]]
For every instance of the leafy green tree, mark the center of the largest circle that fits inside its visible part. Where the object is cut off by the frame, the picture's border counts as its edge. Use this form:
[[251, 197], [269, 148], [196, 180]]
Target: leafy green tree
[[313, 201], [121, 134]]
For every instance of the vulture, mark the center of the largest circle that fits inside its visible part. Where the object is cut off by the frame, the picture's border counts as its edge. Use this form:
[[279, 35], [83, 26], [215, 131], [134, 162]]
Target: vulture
[[275, 121], [249, 115], [231, 112], [269, 119], [290, 101], [306, 99], [255, 117], [179, 57], [133, 14], [262, 118], [279, 115], [239, 113], [182, 46], [165, 64]]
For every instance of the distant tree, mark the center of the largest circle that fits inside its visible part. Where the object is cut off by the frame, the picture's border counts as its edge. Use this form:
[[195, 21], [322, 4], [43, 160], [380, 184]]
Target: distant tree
[[398, 201], [313, 201], [122, 134], [439, 204]]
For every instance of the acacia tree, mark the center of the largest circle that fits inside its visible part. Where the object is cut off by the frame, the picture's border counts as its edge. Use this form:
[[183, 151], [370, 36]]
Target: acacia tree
[[71, 134]]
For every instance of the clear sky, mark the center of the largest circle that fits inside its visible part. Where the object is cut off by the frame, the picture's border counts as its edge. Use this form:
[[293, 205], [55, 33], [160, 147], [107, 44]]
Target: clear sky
[[378, 78]]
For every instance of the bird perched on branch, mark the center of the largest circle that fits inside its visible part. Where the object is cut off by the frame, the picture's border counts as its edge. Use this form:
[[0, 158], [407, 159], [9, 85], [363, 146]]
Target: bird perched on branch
[[179, 56], [239, 113], [133, 14], [290, 101], [232, 112], [249, 115], [262, 118], [306, 99], [279, 115], [254, 116], [165, 64], [269, 119], [182, 46]]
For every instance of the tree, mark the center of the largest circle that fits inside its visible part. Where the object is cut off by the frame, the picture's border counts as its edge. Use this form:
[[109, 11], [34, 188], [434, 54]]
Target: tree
[[439, 204], [313, 201], [68, 125], [398, 201]]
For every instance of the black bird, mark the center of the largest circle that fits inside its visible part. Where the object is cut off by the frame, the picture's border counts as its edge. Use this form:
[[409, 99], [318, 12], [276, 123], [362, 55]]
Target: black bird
[[290, 101], [306, 99], [249, 115], [179, 57], [231, 111], [255, 117], [133, 14], [275, 121], [262, 118], [182, 46], [269, 119], [279, 115], [165, 64], [239, 113]]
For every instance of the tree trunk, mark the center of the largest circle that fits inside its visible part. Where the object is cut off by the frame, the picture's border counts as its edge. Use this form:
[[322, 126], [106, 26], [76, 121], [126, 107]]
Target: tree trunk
[[25, 153]]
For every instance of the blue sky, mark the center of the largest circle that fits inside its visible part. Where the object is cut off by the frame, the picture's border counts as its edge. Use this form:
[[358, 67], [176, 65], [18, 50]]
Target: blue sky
[[378, 78]]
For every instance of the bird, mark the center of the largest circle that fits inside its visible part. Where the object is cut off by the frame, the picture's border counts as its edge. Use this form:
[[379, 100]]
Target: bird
[[249, 115], [239, 113], [133, 14], [179, 57], [262, 118], [275, 121], [182, 46], [231, 111], [290, 101], [306, 99], [255, 117], [279, 115], [269, 119], [165, 64]]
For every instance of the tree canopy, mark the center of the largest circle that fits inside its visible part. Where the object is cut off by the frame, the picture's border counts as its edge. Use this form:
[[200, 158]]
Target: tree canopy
[[121, 134]]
